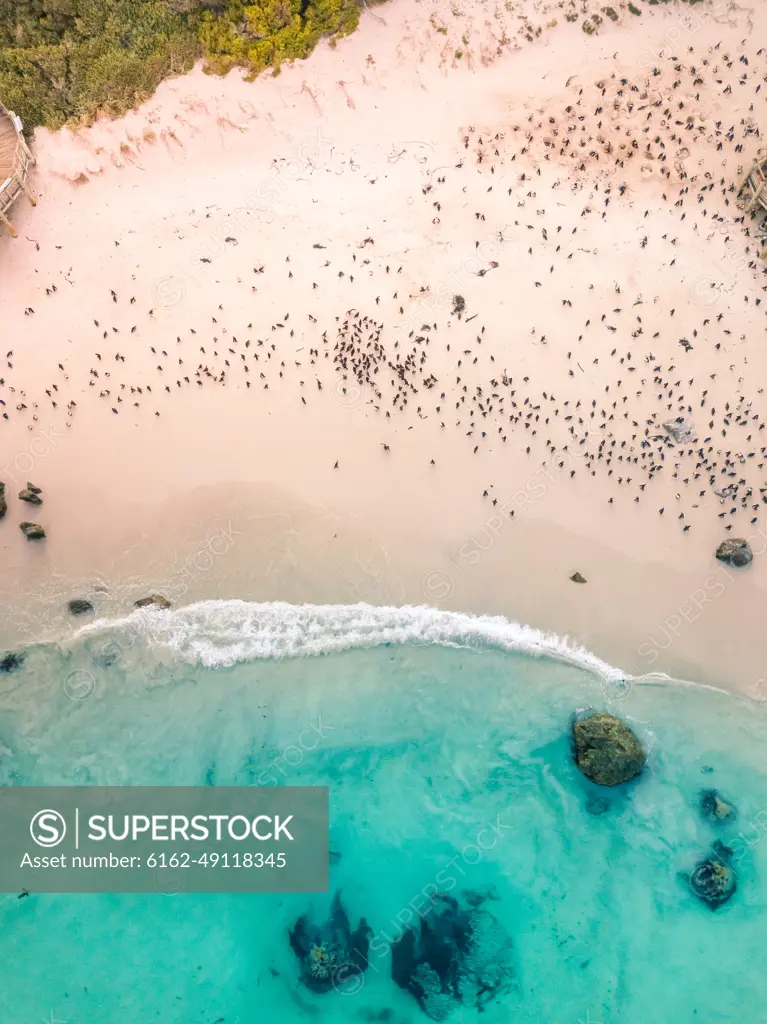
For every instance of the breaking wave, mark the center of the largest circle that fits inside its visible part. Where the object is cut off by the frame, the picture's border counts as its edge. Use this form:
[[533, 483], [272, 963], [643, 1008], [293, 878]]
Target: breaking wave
[[223, 633]]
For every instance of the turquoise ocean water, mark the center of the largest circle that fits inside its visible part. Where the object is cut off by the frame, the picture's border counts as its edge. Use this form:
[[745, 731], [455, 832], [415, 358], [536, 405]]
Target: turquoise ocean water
[[445, 741]]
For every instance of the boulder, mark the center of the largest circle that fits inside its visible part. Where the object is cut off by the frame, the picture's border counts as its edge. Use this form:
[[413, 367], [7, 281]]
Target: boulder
[[32, 531], [35, 490], [30, 496], [153, 601], [735, 551], [680, 429], [79, 606], [713, 881], [714, 807], [460, 956], [606, 750], [330, 954], [11, 660], [578, 578]]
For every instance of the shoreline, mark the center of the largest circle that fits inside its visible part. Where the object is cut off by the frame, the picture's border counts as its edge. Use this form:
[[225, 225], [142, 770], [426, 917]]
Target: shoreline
[[271, 549], [325, 176]]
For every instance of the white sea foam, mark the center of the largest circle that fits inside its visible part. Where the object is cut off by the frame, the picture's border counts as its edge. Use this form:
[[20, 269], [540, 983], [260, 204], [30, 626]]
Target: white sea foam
[[222, 633]]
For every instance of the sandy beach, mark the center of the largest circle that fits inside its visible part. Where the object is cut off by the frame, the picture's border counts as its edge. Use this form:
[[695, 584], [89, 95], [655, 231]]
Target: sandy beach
[[402, 324]]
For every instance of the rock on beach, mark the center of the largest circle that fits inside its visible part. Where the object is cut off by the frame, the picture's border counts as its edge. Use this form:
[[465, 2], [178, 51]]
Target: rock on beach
[[735, 551], [152, 601]]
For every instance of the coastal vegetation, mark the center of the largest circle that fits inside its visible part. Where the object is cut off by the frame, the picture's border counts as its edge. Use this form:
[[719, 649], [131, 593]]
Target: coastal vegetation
[[592, 21], [74, 60]]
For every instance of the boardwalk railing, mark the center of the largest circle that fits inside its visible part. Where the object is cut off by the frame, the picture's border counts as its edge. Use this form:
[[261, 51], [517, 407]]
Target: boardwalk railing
[[17, 167]]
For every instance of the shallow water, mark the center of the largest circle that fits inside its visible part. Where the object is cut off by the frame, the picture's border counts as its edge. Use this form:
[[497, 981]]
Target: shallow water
[[449, 764]]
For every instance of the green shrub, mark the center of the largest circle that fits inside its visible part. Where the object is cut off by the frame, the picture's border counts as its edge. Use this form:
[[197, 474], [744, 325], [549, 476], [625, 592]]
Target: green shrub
[[75, 60], [591, 24]]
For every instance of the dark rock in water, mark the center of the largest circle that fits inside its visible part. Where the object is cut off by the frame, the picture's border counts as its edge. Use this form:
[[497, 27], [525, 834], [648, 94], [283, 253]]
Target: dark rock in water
[[35, 490], [11, 660], [597, 805], [713, 881], [30, 496], [714, 807], [460, 956], [79, 606], [331, 954], [578, 578], [32, 531], [735, 551], [153, 601], [3, 502], [606, 750]]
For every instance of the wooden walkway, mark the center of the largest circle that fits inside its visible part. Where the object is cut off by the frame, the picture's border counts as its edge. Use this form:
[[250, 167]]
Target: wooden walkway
[[15, 162], [753, 191]]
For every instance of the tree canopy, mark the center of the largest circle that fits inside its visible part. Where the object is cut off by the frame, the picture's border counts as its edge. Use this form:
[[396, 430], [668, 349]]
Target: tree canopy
[[75, 60]]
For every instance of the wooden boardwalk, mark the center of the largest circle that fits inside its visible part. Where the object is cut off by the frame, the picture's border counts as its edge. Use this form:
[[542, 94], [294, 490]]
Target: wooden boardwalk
[[753, 191], [15, 162]]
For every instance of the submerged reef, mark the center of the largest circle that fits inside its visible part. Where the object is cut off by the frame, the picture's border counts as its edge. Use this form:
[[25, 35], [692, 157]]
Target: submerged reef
[[331, 953], [714, 881], [11, 660], [460, 955], [714, 807]]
